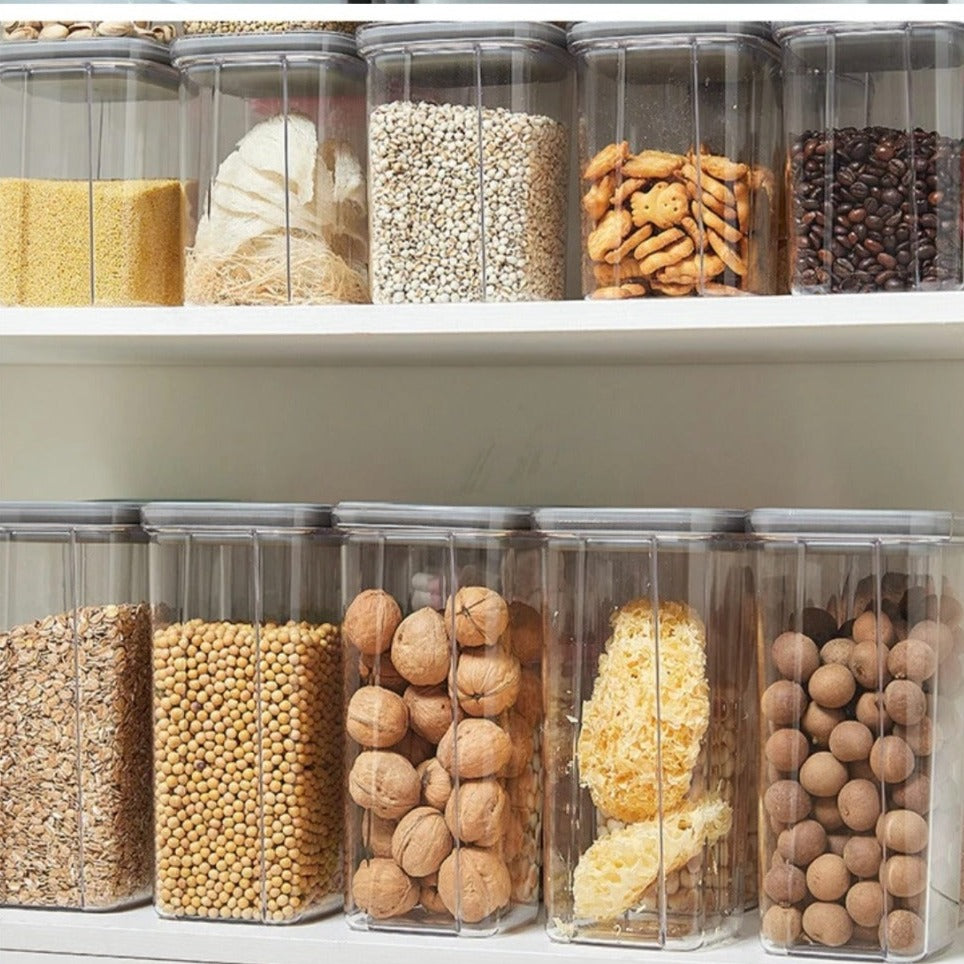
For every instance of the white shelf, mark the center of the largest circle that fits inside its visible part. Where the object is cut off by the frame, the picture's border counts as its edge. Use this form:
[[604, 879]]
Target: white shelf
[[876, 327]]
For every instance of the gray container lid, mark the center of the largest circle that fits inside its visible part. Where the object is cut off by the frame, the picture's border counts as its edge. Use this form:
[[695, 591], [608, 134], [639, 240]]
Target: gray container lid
[[583, 35], [401, 515], [49, 52], [186, 51], [374, 38], [863, 522], [584, 519], [786, 30], [68, 514], [235, 515]]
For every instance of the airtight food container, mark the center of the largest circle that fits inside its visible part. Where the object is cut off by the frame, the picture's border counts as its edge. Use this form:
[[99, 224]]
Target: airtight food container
[[860, 701], [874, 138], [89, 154], [649, 687], [468, 127], [75, 731], [247, 711], [443, 647], [274, 166], [680, 159]]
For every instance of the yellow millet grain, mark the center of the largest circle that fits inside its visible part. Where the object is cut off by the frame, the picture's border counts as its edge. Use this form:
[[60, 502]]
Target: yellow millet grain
[[45, 242]]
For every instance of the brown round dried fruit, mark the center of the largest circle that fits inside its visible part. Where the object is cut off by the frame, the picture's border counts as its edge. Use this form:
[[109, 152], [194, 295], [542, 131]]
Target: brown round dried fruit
[[782, 925], [474, 748], [903, 831], [862, 855], [487, 682], [912, 659], [370, 621], [525, 630], [904, 875], [786, 749], [420, 648], [850, 741], [785, 884], [868, 663], [870, 711], [480, 616], [802, 843], [868, 628], [795, 656], [859, 804], [382, 889], [822, 774], [421, 842], [914, 793], [430, 711], [473, 884], [826, 812], [939, 636], [828, 878], [832, 686], [783, 702], [919, 738], [865, 903], [903, 931], [891, 759], [476, 812], [787, 801], [905, 702], [376, 717], [385, 783], [436, 783], [827, 924], [818, 722], [377, 834]]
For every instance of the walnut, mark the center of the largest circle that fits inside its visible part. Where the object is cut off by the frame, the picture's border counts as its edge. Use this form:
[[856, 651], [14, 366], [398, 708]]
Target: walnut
[[487, 682], [481, 616], [377, 834], [428, 895], [381, 670], [414, 748], [376, 717], [476, 812], [473, 883], [436, 783], [381, 888], [385, 783], [474, 748], [421, 650], [430, 711], [421, 842], [521, 740], [370, 621], [525, 624], [528, 702]]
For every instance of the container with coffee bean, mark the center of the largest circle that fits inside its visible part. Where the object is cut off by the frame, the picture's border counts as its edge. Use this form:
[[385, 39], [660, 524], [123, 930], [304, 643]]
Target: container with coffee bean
[[861, 691], [874, 135]]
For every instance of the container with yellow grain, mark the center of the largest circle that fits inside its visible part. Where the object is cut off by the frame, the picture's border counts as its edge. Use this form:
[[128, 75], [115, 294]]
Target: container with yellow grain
[[649, 687], [90, 194], [247, 711]]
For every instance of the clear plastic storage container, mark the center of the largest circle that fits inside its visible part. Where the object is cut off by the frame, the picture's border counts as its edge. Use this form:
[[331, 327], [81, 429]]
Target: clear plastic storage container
[[75, 697], [861, 710], [89, 188], [248, 725], [874, 129], [468, 129], [274, 134], [443, 648], [650, 697], [681, 158], [217, 27], [73, 30]]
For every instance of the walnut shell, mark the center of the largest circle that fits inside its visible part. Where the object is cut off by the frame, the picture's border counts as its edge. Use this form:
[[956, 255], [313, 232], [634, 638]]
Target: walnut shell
[[416, 749], [377, 834], [479, 747], [476, 812], [521, 740], [370, 621], [487, 682], [382, 889], [436, 783], [473, 884], [385, 783], [421, 842], [481, 616], [528, 702], [430, 711], [381, 671], [525, 625], [421, 650], [428, 895], [376, 717]]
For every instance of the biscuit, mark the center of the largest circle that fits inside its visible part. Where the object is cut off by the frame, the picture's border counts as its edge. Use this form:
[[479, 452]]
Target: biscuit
[[609, 275], [608, 159], [626, 189], [730, 258], [709, 184], [650, 164], [618, 293], [596, 200], [663, 205], [712, 220], [663, 259], [633, 241], [609, 234], [656, 243], [722, 168]]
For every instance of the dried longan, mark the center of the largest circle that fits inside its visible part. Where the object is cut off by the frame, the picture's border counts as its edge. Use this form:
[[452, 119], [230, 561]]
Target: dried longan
[[870, 711], [786, 749], [822, 775], [850, 741], [920, 738], [785, 884], [868, 664], [859, 804], [818, 723], [902, 830], [914, 793], [828, 878], [891, 759], [905, 702], [862, 855], [869, 628], [865, 903], [939, 636], [827, 813], [837, 651], [903, 931], [795, 656], [783, 702], [787, 801], [912, 659], [832, 686], [802, 843], [904, 875], [782, 925], [827, 924]]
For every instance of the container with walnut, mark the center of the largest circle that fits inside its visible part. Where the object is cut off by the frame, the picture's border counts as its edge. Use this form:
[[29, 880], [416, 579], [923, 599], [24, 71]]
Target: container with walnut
[[443, 650], [861, 700], [680, 146]]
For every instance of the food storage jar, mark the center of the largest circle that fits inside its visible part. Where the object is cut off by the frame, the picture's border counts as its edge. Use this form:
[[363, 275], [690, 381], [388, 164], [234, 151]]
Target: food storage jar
[[468, 127], [860, 712], [274, 134], [75, 719], [248, 745], [681, 158], [443, 647], [650, 697], [89, 155], [874, 135]]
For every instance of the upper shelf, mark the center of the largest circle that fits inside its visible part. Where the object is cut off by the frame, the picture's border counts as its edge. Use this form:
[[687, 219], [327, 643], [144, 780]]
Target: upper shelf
[[875, 327]]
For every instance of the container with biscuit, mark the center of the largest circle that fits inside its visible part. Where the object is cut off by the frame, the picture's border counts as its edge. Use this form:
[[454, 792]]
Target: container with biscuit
[[861, 696], [649, 700], [443, 632], [680, 151]]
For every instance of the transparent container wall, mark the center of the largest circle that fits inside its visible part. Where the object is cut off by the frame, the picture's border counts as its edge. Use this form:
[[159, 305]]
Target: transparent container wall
[[88, 157], [874, 131], [860, 823], [247, 727], [649, 657], [275, 173], [469, 150], [75, 758], [444, 732], [680, 147]]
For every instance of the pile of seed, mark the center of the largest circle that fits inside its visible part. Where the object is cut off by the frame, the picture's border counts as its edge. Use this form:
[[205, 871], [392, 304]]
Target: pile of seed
[[248, 770], [75, 759], [893, 202], [466, 205], [85, 29], [265, 26]]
